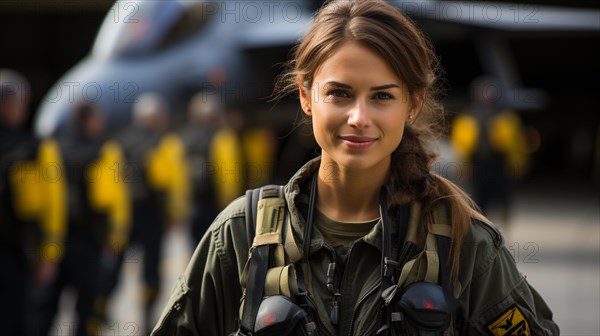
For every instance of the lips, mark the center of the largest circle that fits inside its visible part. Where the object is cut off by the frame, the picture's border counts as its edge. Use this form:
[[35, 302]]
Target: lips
[[353, 141]]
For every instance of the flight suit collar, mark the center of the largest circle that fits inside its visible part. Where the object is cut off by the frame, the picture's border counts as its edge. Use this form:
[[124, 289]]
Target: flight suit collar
[[297, 193]]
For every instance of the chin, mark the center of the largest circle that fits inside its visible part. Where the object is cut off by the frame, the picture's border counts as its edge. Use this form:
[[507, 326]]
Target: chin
[[358, 162]]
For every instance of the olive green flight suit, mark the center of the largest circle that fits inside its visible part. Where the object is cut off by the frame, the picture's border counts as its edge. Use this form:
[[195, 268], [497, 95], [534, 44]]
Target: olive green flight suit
[[494, 297]]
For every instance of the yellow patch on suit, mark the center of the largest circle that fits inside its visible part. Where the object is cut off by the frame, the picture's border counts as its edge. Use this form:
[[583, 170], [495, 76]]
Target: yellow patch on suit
[[511, 322]]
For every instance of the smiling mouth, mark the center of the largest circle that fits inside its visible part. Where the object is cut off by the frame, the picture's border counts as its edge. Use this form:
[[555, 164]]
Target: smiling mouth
[[357, 141]]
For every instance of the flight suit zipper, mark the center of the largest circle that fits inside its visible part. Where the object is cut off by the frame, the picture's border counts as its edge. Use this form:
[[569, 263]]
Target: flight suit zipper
[[333, 286], [360, 301], [322, 329], [363, 297]]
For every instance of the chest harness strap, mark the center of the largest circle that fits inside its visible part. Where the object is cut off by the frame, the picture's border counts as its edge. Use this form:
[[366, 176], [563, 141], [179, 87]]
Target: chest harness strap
[[267, 279], [417, 305]]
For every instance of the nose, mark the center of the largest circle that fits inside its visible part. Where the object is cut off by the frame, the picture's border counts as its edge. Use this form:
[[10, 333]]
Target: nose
[[358, 116]]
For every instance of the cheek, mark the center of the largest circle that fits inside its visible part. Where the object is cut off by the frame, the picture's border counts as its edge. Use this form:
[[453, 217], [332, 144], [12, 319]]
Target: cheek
[[395, 131], [319, 127], [396, 137], [325, 123], [400, 135]]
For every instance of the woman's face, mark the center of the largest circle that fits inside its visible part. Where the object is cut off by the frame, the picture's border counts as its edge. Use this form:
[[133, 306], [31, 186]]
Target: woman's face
[[358, 109]]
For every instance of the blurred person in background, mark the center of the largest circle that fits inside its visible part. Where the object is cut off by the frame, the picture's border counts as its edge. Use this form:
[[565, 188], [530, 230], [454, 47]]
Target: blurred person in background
[[32, 205], [490, 142], [226, 158], [205, 117], [98, 220], [241, 156], [156, 173], [260, 148]]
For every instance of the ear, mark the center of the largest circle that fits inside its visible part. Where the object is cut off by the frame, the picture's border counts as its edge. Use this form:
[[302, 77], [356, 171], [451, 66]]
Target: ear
[[304, 96], [416, 105]]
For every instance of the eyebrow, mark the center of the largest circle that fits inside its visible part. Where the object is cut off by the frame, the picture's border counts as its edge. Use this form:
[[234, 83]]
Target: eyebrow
[[374, 88]]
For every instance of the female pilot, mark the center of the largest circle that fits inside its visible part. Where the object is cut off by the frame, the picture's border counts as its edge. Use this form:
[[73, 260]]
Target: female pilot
[[366, 79]]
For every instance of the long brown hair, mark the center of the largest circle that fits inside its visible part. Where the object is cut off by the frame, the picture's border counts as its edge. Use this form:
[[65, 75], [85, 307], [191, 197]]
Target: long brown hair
[[393, 36]]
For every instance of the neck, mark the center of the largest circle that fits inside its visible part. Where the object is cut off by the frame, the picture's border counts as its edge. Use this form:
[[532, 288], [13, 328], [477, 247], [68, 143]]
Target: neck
[[349, 195]]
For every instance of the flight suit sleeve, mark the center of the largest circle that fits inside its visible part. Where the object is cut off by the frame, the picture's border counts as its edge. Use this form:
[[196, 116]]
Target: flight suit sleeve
[[206, 298], [496, 299]]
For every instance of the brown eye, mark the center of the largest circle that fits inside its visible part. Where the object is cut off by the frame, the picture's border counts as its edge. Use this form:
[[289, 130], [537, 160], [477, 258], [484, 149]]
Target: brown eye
[[336, 93], [383, 96]]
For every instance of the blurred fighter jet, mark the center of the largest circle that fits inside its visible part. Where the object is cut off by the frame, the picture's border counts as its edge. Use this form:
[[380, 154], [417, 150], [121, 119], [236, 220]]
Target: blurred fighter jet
[[230, 47], [178, 48]]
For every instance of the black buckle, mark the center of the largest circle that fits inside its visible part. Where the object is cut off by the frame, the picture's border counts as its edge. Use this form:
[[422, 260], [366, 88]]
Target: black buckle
[[389, 266]]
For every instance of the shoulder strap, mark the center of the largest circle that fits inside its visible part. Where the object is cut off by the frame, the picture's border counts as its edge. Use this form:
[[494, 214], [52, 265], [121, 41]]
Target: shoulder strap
[[257, 271], [251, 207], [265, 214], [253, 196], [432, 264], [442, 231]]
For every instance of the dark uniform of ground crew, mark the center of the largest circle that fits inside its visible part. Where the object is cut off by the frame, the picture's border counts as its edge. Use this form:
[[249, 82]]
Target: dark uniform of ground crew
[[205, 118], [14, 147], [491, 140], [157, 176], [97, 221], [32, 216]]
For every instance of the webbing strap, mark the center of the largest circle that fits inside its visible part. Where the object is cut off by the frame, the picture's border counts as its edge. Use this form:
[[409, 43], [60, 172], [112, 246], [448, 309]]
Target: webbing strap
[[440, 214], [443, 234], [269, 225], [444, 253], [282, 280], [444, 244], [387, 263], [425, 267], [267, 239], [265, 219], [413, 222], [392, 262], [255, 287], [251, 204], [441, 230], [433, 261], [269, 219], [309, 219], [431, 265]]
